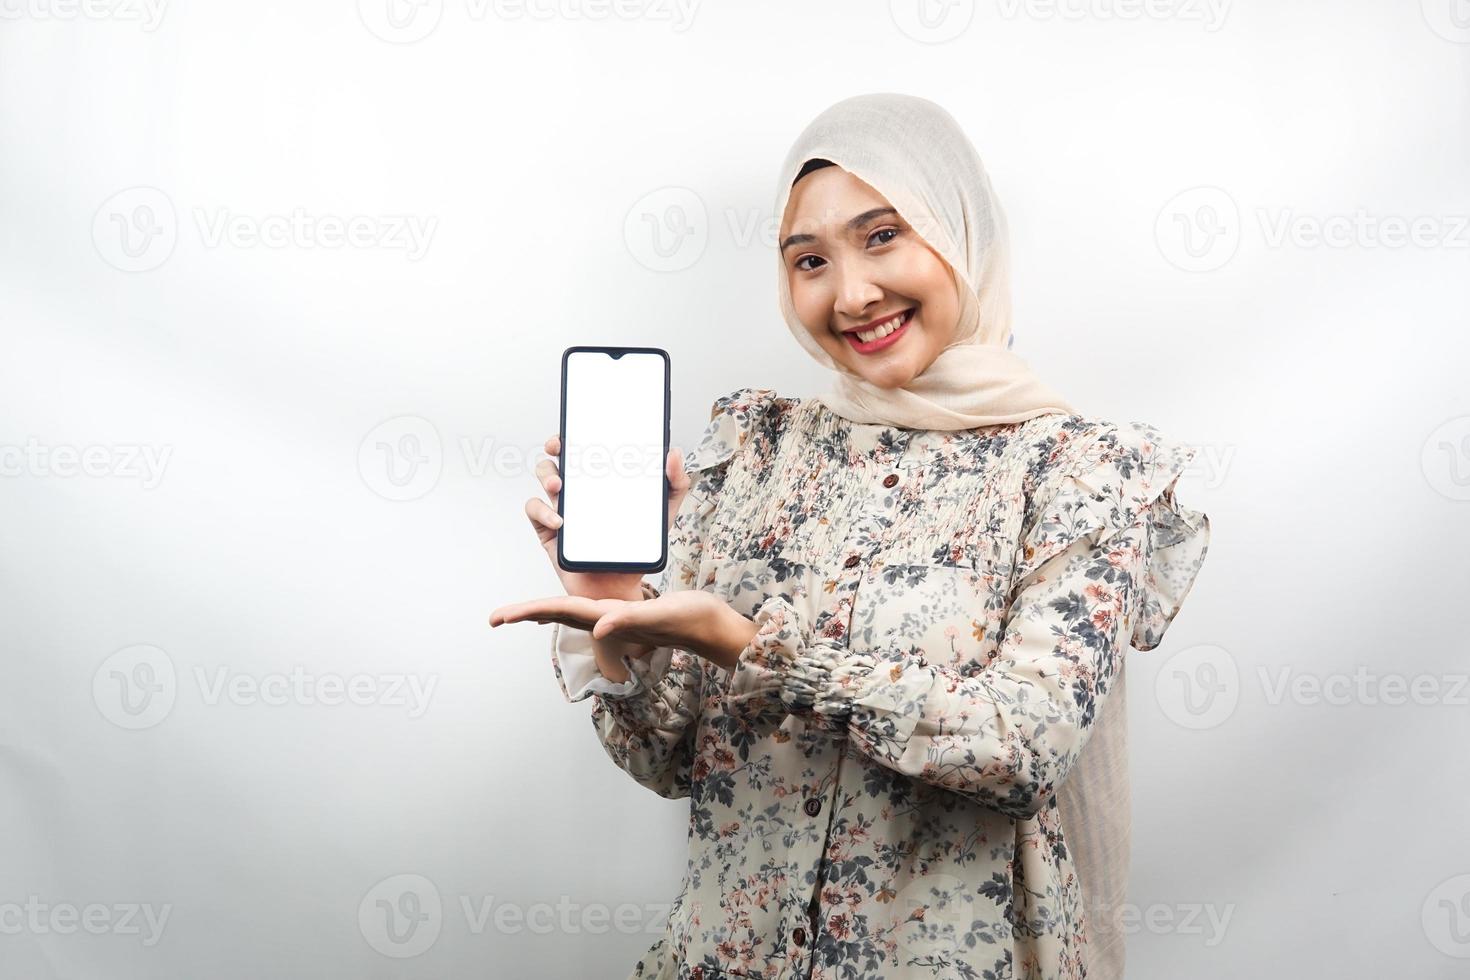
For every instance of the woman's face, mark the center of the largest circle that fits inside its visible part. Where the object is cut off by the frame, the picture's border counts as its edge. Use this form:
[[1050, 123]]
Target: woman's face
[[853, 264]]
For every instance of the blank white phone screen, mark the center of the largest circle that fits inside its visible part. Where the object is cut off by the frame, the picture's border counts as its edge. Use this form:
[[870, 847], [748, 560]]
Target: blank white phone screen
[[613, 482]]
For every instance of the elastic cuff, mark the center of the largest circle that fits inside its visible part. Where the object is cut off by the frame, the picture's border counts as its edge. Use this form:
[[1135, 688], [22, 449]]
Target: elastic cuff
[[815, 681]]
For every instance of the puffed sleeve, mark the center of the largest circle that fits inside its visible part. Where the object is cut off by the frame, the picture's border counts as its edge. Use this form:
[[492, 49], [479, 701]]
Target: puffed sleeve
[[646, 723], [1127, 472], [1007, 733]]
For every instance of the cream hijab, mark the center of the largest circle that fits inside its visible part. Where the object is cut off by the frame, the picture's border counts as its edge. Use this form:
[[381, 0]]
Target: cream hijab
[[914, 153]]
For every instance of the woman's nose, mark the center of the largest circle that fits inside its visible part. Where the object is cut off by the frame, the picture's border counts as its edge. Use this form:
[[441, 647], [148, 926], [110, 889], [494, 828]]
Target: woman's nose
[[856, 293]]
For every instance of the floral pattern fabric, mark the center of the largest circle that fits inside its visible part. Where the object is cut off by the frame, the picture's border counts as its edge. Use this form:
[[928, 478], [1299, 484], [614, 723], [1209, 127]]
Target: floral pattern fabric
[[942, 617]]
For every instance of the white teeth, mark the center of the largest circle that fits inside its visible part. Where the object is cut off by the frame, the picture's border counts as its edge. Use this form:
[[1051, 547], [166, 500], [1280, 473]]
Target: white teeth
[[883, 330]]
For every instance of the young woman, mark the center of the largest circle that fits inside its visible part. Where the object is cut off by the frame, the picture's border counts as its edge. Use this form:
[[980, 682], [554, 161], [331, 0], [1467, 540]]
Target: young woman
[[895, 614]]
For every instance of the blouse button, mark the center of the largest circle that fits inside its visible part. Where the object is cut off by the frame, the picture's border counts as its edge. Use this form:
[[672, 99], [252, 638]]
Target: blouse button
[[851, 561], [890, 479], [798, 936], [813, 806]]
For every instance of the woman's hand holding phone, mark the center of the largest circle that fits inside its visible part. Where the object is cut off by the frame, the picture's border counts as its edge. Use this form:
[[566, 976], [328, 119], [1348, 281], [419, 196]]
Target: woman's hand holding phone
[[545, 521], [612, 605], [625, 586]]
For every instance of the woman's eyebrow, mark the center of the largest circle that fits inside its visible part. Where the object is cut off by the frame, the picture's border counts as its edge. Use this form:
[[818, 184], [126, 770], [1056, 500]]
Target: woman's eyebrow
[[853, 224]]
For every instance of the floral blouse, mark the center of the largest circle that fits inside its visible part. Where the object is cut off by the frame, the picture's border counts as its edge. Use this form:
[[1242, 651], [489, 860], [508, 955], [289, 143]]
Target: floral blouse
[[942, 615]]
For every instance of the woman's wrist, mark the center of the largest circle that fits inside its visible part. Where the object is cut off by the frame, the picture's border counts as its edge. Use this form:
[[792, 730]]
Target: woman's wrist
[[735, 634], [609, 651]]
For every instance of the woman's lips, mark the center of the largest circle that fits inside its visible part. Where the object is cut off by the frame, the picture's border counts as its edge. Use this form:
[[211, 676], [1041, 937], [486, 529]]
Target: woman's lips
[[881, 342]]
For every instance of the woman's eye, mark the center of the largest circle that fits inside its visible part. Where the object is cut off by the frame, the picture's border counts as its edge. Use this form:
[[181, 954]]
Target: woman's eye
[[805, 268], [883, 231]]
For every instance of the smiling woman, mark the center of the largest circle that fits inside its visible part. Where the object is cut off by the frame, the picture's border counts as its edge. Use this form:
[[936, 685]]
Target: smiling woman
[[885, 661]]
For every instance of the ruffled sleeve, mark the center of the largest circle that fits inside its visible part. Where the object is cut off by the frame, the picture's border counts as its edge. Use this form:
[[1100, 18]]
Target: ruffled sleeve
[[1125, 473]]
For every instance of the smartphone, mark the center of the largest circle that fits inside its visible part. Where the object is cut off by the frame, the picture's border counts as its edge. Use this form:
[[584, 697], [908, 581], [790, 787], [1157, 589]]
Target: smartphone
[[614, 497]]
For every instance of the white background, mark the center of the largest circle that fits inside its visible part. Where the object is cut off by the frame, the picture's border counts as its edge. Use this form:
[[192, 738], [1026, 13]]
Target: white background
[[326, 498]]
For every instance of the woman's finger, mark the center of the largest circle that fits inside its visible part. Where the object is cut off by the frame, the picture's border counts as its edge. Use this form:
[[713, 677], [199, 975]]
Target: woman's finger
[[549, 478], [577, 611], [678, 479], [544, 520], [546, 608], [631, 616]]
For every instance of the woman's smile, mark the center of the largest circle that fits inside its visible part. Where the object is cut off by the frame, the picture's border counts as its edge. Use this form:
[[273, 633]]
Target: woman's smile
[[884, 334]]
